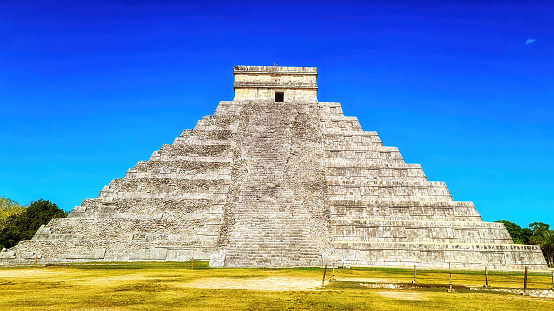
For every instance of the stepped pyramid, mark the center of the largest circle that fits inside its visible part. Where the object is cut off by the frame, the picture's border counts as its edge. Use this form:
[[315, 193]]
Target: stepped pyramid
[[277, 179]]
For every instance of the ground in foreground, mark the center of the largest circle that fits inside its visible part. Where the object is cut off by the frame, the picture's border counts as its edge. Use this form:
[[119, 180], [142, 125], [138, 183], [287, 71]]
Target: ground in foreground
[[175, 286]]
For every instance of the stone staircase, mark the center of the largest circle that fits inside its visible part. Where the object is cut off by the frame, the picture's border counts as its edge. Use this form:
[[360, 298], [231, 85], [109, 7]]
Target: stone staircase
[[271, 226]]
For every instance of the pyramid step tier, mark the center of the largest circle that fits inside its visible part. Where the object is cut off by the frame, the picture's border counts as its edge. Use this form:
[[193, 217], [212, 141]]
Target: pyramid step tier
[[439, 255], [365, 230]]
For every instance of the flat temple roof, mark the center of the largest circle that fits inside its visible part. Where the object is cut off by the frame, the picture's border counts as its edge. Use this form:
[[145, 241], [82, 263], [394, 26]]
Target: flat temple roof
[[276, 70]]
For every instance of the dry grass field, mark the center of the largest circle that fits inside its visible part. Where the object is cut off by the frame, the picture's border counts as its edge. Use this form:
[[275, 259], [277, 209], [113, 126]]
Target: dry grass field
[[175, 286]]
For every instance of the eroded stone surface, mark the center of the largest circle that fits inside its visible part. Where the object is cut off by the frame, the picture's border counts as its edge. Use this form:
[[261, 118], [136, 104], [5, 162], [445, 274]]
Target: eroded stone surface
[[277, 184]]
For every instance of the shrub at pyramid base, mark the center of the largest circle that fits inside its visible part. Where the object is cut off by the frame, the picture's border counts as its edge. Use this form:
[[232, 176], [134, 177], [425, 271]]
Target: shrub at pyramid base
[[277, 179]]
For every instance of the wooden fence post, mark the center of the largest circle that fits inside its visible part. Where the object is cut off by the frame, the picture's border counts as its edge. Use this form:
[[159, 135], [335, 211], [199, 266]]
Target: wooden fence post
[[486, 277], [450, 271], [525, 282], [323, 281]]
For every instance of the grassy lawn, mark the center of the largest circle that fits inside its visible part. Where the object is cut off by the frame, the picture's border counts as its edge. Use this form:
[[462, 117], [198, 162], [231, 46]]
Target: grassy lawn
[[174, 286], [464, 277]]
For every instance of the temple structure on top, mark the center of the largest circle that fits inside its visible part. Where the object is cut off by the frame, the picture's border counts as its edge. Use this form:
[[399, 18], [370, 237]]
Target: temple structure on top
[[278, 84], [277, 179]]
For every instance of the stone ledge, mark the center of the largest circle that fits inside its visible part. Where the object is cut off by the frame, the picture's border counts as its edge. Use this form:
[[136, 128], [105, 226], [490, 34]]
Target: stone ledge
[[276, 70], [275, 85]]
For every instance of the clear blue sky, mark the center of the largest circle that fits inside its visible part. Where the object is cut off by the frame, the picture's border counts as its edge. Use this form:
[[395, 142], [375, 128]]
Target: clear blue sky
[[89, 88]]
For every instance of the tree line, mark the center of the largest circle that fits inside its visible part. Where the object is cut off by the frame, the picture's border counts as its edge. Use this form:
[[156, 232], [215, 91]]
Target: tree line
[[538, 233], [22, 222]]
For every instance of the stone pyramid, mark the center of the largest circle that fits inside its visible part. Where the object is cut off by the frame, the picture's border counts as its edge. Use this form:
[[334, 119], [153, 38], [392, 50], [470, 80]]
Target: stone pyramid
[[277, 179]]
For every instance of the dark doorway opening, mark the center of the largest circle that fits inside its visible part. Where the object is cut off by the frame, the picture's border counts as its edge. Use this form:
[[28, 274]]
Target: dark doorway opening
[[279, 97]]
